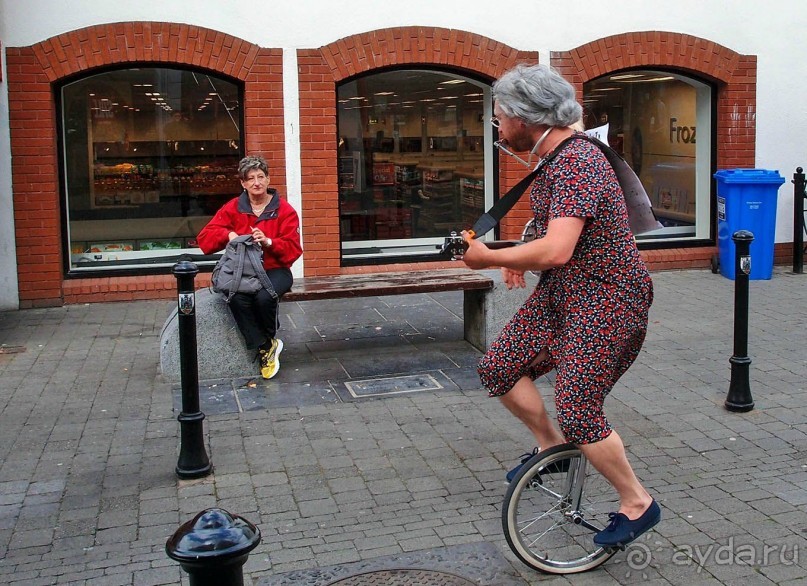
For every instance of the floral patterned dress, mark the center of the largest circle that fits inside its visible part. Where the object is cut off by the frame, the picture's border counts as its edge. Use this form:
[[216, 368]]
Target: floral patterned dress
[[591, 313]]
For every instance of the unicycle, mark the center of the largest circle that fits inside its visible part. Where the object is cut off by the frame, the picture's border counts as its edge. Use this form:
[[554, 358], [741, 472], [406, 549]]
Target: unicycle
[[553, 508]]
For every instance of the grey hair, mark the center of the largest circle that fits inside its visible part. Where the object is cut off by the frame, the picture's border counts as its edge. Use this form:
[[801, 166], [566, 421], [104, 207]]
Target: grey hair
[[252, 163], [538, 95]]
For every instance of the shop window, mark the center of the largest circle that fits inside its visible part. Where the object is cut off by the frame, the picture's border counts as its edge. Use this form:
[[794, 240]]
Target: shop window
[[149, 155], [412, 161], [662, 124]]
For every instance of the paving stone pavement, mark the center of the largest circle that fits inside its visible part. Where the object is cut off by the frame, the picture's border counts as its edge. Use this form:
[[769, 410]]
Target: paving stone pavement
[[89, 438]]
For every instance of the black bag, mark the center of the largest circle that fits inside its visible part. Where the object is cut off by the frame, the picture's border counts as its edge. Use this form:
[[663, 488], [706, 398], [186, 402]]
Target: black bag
[[240, 269]]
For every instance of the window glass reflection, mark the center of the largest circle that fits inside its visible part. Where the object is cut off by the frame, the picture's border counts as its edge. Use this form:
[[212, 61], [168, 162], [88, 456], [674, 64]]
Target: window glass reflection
[[411, 158], [656, 119], [149, 155]]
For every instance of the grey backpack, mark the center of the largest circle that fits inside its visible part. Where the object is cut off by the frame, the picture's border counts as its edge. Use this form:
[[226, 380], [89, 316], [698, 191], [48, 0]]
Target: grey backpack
[[240, 269]]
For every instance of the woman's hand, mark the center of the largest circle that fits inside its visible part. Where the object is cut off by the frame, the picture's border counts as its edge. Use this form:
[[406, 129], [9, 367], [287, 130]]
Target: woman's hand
[[513, 278], [478, 255], [259, 237], [231, 236]]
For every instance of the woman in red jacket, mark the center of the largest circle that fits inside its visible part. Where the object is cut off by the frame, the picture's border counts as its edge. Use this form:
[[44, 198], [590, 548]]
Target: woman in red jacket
[[274, 224]]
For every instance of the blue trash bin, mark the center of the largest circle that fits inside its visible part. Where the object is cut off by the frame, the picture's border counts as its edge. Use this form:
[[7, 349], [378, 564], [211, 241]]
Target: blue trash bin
[[746, 200]]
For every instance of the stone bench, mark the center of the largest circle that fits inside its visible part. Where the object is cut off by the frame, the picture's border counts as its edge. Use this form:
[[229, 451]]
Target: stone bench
[[487, 305]]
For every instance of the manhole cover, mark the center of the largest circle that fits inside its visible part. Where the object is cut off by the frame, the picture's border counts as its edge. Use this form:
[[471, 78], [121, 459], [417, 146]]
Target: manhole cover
[[404, 577]]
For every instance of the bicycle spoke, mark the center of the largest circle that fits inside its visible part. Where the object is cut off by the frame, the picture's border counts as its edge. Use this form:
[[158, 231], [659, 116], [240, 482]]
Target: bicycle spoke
[[528, 523], [537, 538]]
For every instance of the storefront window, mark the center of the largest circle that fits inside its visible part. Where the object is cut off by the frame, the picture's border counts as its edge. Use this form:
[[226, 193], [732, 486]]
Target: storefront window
[[662, 124], [412, 161], [149, 155]]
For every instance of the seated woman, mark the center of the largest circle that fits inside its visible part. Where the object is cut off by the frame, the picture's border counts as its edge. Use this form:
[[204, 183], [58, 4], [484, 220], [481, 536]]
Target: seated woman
[[275, 225]]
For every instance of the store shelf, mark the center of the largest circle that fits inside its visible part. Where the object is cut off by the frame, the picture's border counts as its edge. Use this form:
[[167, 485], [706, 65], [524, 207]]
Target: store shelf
[[472, 197], [148, 173], [441, 206]]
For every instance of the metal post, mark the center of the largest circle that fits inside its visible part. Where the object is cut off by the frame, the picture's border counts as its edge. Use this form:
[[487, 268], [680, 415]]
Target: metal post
[[213, 547], [193, 461], [739, 397], [798, 220]]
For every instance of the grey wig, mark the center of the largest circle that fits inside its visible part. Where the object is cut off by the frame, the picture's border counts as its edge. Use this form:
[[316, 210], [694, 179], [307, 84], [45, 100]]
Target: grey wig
[[252, 163], [538, 95]]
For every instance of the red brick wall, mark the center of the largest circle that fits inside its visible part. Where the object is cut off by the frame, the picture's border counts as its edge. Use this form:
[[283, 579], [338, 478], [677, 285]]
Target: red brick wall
[[34, 72], [320, 72], [318, 154], [735, 76]]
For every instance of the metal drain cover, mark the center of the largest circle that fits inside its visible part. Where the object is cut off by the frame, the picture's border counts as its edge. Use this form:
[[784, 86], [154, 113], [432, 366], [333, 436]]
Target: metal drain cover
[[470, 564], [403, 577]]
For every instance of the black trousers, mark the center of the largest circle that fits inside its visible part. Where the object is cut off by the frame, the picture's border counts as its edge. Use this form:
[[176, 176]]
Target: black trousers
[[257, 315]]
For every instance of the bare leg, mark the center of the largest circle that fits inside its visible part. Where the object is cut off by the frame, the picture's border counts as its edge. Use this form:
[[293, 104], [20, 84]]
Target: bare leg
[[608, 456], [525, 402]]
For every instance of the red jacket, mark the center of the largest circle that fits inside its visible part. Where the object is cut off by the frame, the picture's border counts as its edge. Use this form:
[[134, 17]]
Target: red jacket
[[279, 221]]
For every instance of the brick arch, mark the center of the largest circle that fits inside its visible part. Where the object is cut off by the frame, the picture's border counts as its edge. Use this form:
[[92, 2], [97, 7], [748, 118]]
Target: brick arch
[[152, 42], [394, 47], [34, 72], [734, 75], [320, 70]]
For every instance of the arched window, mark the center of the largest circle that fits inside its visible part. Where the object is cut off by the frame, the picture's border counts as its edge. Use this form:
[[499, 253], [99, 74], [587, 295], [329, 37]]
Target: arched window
[[662, 124], [149, 154], [413, 161]]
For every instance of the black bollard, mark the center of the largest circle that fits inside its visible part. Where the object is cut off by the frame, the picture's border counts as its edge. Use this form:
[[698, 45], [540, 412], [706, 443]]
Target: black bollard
[[739, 397], [213, 547], [798, 220], [193, 461]]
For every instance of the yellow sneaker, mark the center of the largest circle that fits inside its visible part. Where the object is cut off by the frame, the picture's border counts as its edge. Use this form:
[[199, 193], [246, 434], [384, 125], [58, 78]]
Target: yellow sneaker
[[270, 359]]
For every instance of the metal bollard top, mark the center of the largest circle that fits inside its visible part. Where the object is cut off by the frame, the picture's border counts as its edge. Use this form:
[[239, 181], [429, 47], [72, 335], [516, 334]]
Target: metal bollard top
[[185, 267], [742, 235], [213, 534]]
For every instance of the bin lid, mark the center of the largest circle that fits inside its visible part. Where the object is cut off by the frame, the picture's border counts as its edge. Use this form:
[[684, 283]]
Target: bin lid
[[758, 176]]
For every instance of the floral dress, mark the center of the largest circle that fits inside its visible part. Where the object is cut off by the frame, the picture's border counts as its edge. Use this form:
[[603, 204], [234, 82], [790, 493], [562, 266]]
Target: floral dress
[[591, 313]]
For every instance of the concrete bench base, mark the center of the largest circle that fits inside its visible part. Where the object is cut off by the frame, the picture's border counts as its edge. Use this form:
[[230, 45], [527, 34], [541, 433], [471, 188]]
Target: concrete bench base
[[220, 348], [221, 353]]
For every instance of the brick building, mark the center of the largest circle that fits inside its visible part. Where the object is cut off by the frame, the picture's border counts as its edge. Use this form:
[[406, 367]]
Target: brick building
[[123, 134]]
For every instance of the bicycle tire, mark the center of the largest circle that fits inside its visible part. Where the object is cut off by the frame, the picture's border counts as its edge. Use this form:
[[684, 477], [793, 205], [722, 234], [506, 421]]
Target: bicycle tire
[[539, 524]]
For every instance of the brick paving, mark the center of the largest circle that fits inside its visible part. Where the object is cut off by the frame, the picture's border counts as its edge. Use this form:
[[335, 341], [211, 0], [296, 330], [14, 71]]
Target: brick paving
[[89, 438]]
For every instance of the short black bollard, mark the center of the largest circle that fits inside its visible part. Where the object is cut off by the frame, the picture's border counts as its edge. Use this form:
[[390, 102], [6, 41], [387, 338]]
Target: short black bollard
[[739, 397], [798, 220], [213, 547], [193, 461]]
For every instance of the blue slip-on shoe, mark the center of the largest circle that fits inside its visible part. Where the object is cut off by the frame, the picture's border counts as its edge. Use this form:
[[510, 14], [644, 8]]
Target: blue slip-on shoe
[[621, 530], [553, 468]]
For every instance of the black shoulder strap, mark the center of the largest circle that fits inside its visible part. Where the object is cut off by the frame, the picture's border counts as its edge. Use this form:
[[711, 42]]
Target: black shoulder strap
[[640, 211], [493, 216]]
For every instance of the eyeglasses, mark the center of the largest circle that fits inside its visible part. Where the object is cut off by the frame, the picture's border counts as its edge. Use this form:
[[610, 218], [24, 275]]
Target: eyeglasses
[[494, 120]]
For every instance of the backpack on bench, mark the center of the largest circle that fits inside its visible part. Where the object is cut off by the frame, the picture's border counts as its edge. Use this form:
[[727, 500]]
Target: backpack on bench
[[240, 269]]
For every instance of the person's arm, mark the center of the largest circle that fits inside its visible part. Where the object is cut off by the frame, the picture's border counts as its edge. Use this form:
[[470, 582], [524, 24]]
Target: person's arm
[[553, 250], [217, 232], [280, 238], [569, 208]]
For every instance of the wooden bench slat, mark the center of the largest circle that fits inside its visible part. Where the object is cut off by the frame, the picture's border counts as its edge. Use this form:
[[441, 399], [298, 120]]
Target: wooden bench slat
[[396, 283]]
